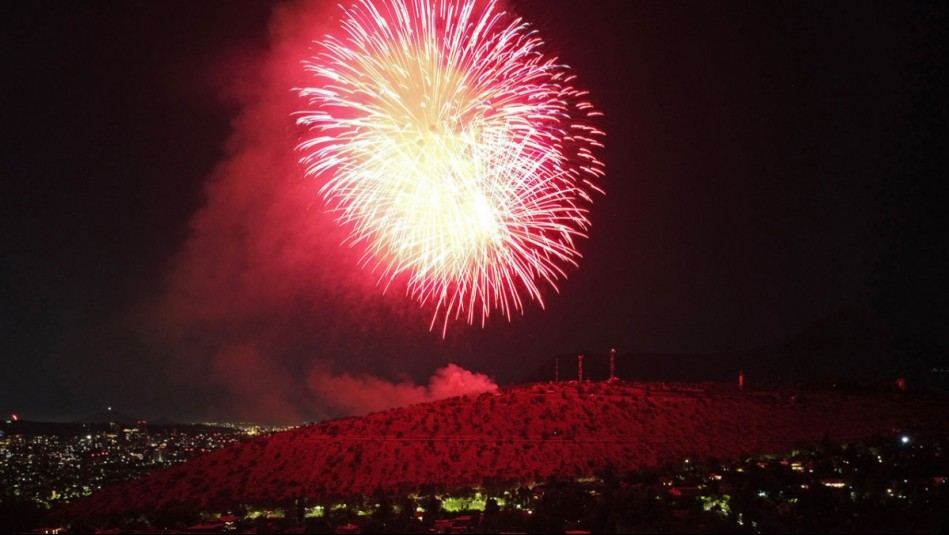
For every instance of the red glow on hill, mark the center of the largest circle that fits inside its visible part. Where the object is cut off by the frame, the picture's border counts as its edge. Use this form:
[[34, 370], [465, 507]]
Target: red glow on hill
[[518, 435]]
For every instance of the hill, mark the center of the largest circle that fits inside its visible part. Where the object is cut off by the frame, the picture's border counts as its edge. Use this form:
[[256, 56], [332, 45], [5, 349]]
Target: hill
[[521, 434]]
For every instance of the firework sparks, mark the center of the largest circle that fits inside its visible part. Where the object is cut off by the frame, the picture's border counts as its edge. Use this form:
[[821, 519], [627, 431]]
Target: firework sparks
[[461, 157]]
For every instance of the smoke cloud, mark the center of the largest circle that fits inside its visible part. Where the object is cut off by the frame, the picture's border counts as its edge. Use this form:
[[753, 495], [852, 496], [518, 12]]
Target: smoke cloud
[[262, 305], [361, 394]]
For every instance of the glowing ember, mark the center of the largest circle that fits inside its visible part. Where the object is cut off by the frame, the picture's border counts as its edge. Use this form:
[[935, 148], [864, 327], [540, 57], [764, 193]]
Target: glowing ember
[[454, 150]]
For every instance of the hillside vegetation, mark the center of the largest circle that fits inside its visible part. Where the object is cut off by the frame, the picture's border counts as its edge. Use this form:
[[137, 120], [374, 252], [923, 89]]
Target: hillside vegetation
[[521, 434]]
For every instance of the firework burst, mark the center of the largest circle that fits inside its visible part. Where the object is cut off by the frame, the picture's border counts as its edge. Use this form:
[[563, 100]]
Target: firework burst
[[461, 157]]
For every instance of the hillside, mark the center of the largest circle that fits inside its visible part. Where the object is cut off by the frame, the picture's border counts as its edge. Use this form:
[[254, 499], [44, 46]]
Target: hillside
[[521, 434]]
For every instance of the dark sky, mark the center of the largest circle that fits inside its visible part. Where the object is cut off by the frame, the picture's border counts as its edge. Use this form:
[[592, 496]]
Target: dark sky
[[767, 164]]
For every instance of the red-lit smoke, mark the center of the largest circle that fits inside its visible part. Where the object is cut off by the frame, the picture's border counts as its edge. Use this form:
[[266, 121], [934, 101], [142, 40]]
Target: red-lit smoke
[[261, 293], [357, 394]]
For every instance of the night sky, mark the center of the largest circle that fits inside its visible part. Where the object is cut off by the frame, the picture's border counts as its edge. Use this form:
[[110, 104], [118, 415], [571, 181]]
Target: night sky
[[768, 164]]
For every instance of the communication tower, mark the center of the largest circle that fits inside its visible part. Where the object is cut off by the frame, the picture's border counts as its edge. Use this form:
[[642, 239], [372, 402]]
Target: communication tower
[[613, 364]]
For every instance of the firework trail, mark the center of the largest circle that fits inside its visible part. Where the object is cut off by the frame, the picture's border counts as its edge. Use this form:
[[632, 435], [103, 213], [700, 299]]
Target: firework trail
[[461, 157]]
